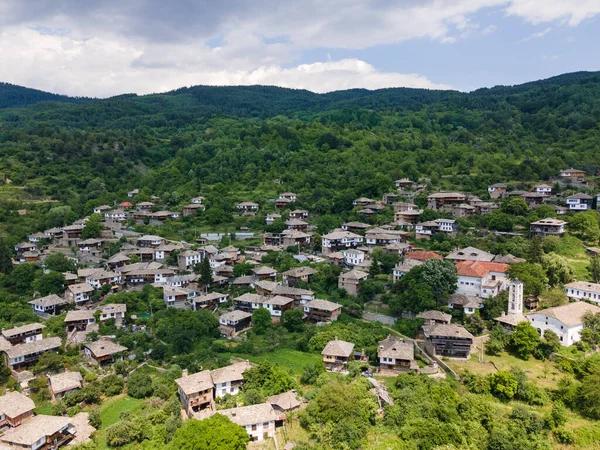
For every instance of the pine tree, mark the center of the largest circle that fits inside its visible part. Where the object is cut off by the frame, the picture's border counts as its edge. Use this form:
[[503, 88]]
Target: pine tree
[[536, 250], [5, 259], [594, 268], [206, 277]]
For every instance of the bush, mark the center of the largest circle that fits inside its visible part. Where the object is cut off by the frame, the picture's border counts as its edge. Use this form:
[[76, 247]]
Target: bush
[[112, 385], [139, 385], [563, 436], [95, 420]]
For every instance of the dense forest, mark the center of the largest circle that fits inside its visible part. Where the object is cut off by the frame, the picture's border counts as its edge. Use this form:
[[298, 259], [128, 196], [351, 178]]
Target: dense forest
[[231, 143]]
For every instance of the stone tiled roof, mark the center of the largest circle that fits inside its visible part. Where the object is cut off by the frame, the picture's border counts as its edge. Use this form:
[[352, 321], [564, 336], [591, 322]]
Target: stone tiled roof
[[13, 404], [394, 347], [338, 348]]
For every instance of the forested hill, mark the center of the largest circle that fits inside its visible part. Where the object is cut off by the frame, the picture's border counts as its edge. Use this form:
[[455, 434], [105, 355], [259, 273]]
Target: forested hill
[[230, 143]]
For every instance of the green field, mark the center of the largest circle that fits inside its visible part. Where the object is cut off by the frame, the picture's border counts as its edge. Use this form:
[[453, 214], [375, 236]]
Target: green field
[[292, 360], [110, 411]]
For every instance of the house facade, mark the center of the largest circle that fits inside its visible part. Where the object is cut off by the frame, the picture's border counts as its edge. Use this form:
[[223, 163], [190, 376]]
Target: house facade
[[566, 320]]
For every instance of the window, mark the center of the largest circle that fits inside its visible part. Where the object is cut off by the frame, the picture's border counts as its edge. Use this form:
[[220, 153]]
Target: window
[[254, 427]]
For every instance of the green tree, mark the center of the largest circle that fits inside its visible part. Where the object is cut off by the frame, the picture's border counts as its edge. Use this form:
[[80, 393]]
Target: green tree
[[50, 362], [591, 329], [215, 433], [588, 397], [268, 379], [536, 250], [525, 340], [139, 385], [6, 264], [59, 262], [50, 283], [558, 270], [261, 320], [206, 277], [112, 385], [594, 268], [586, 225], [516, 206], [93, 227], [503, 385], [532, 275], [292, 320]]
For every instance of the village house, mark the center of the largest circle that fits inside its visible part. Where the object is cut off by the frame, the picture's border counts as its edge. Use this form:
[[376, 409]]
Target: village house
[[40, 432], [580, 202], [113, 311], [470, 254], [90, 245], [160, 217], [543, 189], [396, 355], [403, 268], [362, 202], [404, 183], [340, 240], [422, 255], [337, 354], [290, 238], [296, 224], [285, 402], [289, 196], [103, 351], [350, 281], [272, 218], [460, 210], [380, 237], [277, 305], [79, 319], [547, 227], [192, 209], [321, 311], [264, 273], [467, 303], [53, 233], [100, 277], [300, 296], [228, 380], [79, 293], [51, 305], [196, 392], [146, 206], [232, 322], [566, 320], [209, 300], [101, 209], [248, 302], [282, 202], [572, 174], [425, 230], [434, 317], [246, 207], [533, 199], [298, 274], [497, 190], [299, 214], [23, 334], [15, 409], [354, 257], [72, 232], [178, 297], [133, 193], [403, 206], [115, 215], [407, 217], [188, 259], [197, 200], [448, 340], [258, 420], [37, 238], [164, 252], [24, 247], [481, 279], [583, 290], [389, 198], [22, 356], [150, 241], [356, 227], [118, 260], [485, 207], [64, 383], [442, 200]]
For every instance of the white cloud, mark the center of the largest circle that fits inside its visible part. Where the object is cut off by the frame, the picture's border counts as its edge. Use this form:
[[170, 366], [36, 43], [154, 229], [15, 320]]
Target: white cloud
[[537, 35], [104, 67], [489, 30], [572, 12]]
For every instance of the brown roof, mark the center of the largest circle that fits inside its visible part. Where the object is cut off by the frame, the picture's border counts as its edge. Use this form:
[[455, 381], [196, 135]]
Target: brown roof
[[29, 348], [233, 372], [584, 286], [80, 288], [65, 381], [77, 315], [448, 330], [421, 255], [36, 428], [235, 315], [300, 272], [435, 315], [570, 314], [354, 274], [104, 348], [49, 300], [13, 404], [394, 347], [22, 329], [324, 305], [250, 415], [338, 348], [286, 401], [197, 382], [470, 254]]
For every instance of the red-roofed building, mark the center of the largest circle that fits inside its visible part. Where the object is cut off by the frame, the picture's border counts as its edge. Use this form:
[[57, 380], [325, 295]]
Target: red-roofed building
[[125, 205], [421, 255], [480, 278]]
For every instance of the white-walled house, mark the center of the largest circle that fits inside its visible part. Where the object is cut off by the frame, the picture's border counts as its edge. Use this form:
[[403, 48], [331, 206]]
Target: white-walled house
[[257, 420], [583, 290], [566, 320], [580, 202], [339, 240], [481, 279], [543, 189], [354, 257]]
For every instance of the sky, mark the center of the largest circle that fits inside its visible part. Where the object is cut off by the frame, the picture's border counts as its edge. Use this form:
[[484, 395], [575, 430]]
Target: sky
[[108, 47]]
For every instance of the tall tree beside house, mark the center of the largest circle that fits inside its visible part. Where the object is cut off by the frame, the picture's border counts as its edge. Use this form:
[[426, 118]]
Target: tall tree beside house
[[6, 264], [591, 329], [215, 433], [558, 270], [261, 320], [594, 268], [93, 227], [536, 250], [50, 283], [525, 340], [206, 277], [59, 262], [440, 274]]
